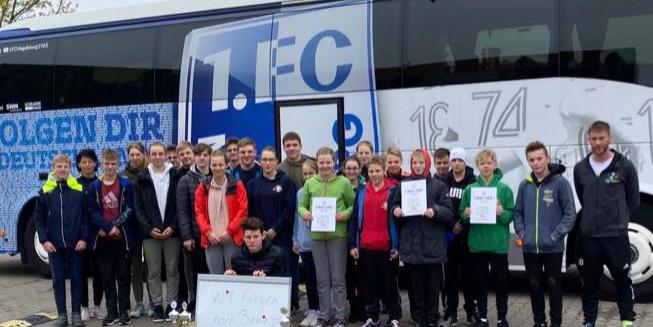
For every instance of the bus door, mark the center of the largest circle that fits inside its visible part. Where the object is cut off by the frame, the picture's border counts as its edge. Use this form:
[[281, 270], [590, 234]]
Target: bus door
[[319, 122]]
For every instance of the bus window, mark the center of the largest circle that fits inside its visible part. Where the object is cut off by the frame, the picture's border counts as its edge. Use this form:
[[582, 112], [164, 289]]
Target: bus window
[[466, 41], [611, 43], [387, 44], [26, 75], [112, 68]]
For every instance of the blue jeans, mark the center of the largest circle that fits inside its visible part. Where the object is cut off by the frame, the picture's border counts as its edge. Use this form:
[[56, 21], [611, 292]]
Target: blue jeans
[[292, 271], [67, 260]]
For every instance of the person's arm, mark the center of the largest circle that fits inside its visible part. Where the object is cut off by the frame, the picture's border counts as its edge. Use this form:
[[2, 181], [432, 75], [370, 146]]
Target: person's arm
[[249, 190], [139, 208], [241, 211], [566, 200], [305, 202], [184, 207], [352, 228], [395, 201], [578, 185], [201, 211], [127, 207], [464, 204], [41, 218], [518, 221], [508, 204], [289, 205], [94, 213], [348, 197], [632, 186], [442, 205], [295, 227]]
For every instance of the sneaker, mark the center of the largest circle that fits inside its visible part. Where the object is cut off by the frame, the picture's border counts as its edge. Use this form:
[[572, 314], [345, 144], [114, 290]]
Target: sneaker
[[626, 323], [472, 318], [166, 314], [321, 323], [96, 313], [309, 320], [588, 324], [340, 323], [393, 323], [77, 321], [502, 323], [447, 321], [124, 319], [138, 310], [61, 321], [480, 323], [150, 310], [85, 314], [110, 320], [371, 323], [540, 325], [157, 314]]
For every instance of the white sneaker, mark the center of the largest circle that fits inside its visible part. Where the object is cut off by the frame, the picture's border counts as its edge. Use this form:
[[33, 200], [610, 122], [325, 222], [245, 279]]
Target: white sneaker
[[137, 312], [310, 319], [85, 314], [97, 313]]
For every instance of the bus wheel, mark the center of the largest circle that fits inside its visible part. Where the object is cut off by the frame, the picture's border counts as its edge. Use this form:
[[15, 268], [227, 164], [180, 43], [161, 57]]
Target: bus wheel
[[640, 233], [36, 255]]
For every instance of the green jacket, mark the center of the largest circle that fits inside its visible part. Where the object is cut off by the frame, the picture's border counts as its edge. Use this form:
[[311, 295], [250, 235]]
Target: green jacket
[[490, 238], [337, 187]]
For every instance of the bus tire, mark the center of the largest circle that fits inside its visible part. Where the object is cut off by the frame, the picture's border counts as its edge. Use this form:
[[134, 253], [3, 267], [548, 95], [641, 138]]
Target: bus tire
[[36, 255], [640, 232]]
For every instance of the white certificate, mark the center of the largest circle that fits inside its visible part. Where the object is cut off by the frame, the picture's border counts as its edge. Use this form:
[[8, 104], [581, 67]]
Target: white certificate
[[483, 205], [324, 215], [413, 197]]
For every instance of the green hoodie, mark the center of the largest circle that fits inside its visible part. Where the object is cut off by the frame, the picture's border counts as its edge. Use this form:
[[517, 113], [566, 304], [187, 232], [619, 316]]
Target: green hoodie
[[490, 238], [337, 187]]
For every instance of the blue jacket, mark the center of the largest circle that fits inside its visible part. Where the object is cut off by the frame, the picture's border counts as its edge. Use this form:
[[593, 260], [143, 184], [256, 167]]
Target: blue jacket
[[125, 222], [274, 201], [60, 213], [356, 221], [544, 212], [301, 235]]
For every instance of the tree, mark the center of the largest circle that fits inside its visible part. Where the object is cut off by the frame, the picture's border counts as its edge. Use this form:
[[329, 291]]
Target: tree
[[15, 10]]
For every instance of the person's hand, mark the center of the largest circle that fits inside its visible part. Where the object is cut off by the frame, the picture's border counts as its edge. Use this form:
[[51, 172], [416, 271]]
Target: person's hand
[[189, 244], [340, 217], [499, 209], [354, 253], [155, 233], [429, 213], [468, 212], [258, 273], [457, 228], [270, 234], [224, 238], [114, 232], [397, 212], [308, 216], [213, 239], [101, 233], [229, 272], [295, 248], [80, 246], [167, 232], [394, 254], [384, 206], [49, 247]]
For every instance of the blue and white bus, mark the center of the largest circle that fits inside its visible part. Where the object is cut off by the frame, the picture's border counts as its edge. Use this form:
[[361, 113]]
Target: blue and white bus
[[412, 73]]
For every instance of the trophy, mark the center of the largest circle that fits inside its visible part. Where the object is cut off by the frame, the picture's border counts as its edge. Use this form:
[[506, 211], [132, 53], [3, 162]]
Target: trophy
[[185, 316], [174, 315], [285, 321]]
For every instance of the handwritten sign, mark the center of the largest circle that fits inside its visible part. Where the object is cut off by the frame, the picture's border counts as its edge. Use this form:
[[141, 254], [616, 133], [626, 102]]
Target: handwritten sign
[[413, 197], [241, 300], [324, 215], [483, 205]]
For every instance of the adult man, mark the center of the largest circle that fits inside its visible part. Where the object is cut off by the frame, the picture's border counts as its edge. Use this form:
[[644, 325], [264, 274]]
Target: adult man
[[458, 264], [544, 214], [232, 154], [111, 205], [292, 164], [248, 167], [186, 156], [273, 198], [154, 201], [608, 191], [194, 258], [441, 156], [171, 155], [257, 256]]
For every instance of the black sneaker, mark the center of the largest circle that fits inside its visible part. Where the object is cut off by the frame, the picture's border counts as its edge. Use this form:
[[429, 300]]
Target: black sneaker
[[480, 323], [110, 320], [124, 319], [166, 315], [540, 324], [158, 316], [503, 323]]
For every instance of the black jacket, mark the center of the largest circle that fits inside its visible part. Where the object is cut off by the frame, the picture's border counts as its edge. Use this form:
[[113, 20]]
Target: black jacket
[[422, 240], [274, 201], [607, 200], [270, 260], [186, 203], [146, 207]]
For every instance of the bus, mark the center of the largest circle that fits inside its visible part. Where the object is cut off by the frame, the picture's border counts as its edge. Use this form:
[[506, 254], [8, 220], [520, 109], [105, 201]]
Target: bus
[[411, 73]]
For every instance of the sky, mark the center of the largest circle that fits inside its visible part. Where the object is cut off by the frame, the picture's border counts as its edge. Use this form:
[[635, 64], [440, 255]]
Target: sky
[[89, 5]]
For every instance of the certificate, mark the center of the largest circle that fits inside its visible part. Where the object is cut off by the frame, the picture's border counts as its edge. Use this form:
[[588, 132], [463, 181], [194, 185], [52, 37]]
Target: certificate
[[483, 205], [413, 197], [324, 215]]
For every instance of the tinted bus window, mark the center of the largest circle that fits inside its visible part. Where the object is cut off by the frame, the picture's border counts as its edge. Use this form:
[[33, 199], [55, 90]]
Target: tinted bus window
[[611, 42], [467, 41], [26, 70], [387, 43], [113, 68]]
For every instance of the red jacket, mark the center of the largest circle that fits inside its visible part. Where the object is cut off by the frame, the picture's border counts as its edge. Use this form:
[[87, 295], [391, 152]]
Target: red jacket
[[236, 208]]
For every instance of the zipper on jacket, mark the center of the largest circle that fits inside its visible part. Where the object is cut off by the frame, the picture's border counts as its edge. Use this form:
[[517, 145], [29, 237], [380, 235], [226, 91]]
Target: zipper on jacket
[[61, 214], [537, 220], [124, 232]]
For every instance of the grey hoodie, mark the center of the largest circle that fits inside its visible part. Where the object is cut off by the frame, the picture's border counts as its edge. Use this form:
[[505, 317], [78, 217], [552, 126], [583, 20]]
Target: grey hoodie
[[544, 211], [186, 203]]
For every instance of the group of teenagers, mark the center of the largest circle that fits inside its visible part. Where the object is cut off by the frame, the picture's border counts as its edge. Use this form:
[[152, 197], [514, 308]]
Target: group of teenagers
[[188, 209]]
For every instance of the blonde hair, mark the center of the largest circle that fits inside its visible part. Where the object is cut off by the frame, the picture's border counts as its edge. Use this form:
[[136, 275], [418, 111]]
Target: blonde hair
[[417, 154], [62, 158], [486, 155], [326, 151], [393, 150], [310, 164]]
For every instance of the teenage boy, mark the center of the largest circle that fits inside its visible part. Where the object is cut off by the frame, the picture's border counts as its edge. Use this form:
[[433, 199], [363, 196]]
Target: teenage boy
[[194, 258], [172, 157], [63, 232], [608, 191], [544, 213], [248, 168], [111, 204], [257, 256], [86, 161], [441, 156], [232, 154], [186, 156], [292, 164], [489, 243], [154, 203], [373, 241], [458, 264], [273, 198]]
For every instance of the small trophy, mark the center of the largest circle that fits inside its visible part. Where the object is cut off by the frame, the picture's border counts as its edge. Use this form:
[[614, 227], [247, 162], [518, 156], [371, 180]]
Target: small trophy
[[185, 316], [285, 321], [174, 315]]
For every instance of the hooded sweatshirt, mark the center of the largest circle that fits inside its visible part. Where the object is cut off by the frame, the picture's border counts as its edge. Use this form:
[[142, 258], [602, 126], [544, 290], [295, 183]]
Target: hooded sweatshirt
[[544, 211], [337, 187], [456, 189], [371, 227], [493, 238], [274, 202], [293, 170]]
